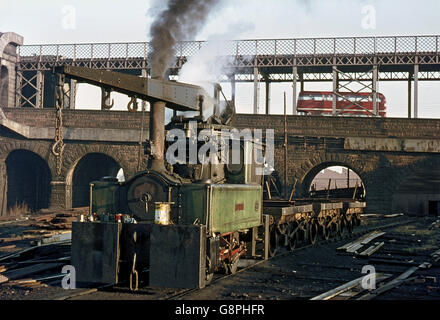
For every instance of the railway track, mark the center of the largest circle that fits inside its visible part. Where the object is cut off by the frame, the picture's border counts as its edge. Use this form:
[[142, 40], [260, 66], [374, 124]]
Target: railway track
[[184, 293], [404, 261], [317, 272]]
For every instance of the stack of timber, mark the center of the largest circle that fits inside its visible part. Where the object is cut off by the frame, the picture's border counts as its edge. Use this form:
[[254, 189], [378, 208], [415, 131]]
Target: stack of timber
[[38, 229], [355, 246], [60, 221]]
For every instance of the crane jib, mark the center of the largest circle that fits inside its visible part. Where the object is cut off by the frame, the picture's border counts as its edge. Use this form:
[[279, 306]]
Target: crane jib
[[178, 96]]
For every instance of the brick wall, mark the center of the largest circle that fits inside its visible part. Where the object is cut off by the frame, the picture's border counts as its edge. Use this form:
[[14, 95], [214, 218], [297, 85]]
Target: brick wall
[[343, 126], [296, 125], [382, 172], [77, 118]]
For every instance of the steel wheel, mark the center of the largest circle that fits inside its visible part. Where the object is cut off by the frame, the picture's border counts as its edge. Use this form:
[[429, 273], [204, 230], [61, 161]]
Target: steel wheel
[[293, 240], [343, 228], [350, 226], [283, 236], [339, 227], [313, 232], [325, 232]]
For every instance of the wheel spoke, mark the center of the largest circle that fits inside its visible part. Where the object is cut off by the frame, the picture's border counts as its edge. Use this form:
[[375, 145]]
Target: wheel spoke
[[325, 232], [313, 232], [293, 239]]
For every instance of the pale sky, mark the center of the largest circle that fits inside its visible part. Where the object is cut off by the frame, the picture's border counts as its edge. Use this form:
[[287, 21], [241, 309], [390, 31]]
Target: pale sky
[[41, 22]]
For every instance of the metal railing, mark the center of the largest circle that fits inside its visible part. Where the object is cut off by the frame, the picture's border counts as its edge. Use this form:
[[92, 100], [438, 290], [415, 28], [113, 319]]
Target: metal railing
[[270, 47]]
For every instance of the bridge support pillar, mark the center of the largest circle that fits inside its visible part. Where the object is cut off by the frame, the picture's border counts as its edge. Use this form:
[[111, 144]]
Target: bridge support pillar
[[345, 81], [301, 79], [72, 95], [335, 90], [144, 74], [409, 95], [416, 91], [256, 93], [374, 87], [30, 89], [267, 96], [40, 90], [294, 87]]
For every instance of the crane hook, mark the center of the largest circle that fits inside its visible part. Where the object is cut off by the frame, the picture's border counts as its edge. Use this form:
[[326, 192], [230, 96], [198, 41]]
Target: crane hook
[[105, 97], [133, 101]]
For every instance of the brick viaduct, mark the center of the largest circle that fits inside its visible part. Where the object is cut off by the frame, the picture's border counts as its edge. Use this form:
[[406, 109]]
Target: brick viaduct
[[398, 160]]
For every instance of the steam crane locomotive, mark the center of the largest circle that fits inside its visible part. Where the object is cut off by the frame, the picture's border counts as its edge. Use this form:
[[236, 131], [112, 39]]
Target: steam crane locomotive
[[189, 215], [179, 221]]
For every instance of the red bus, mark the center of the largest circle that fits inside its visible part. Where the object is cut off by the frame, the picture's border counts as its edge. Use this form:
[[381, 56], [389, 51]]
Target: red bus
[[321, 103]]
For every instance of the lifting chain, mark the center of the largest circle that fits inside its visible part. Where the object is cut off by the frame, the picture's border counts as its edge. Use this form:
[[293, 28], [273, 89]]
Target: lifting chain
[[58, 146], [134, 276]]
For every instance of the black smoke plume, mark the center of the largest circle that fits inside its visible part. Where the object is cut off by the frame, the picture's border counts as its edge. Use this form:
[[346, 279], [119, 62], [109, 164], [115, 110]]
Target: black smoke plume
[[180, 20]]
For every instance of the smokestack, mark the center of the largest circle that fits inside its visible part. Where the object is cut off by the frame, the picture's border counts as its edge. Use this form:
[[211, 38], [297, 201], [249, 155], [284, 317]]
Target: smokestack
[[157, 135], [181, 20]]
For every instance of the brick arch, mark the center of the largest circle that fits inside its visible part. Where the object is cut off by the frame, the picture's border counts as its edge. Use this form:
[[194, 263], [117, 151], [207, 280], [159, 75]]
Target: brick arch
[[310, 168], [124, 155], [42, 149], [74, 153], [90, 167]]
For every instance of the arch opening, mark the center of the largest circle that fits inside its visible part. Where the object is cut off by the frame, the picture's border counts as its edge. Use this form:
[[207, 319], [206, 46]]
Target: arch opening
[[28, 182], [91, 167], [334, 180]]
